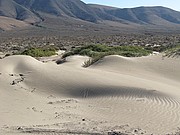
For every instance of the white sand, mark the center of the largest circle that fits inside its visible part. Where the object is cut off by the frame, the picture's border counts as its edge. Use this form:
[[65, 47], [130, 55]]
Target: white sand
[[132, 95]]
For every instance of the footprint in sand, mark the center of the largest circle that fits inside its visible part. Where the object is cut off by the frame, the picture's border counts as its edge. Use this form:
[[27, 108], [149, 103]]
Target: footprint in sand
[[17, 80], [66, 101], [35, 110], [51, 96]]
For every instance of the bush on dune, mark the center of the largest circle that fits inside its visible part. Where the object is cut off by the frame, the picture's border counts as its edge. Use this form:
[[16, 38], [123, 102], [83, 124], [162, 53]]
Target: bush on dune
[[39, 52], [98, 51], [173, 51]]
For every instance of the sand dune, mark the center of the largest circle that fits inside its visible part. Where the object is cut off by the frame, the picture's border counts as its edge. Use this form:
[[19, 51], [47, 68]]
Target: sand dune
[[132, 95]]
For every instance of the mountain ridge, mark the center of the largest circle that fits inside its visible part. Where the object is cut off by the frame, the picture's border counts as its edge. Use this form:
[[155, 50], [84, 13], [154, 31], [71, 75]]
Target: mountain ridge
[[35, 11]]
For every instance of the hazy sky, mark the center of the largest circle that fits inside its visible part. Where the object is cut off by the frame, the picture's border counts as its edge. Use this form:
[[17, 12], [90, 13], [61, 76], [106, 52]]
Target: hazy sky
[[174, 4]]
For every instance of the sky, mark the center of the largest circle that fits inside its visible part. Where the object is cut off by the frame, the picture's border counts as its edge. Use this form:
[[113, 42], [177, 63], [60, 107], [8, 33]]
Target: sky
[[174, 4]]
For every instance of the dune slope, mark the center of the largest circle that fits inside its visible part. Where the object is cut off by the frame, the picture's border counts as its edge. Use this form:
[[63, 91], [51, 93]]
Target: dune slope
[[134, 95]]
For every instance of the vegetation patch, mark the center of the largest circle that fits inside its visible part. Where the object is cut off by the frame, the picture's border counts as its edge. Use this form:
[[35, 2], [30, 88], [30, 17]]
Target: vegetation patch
[[39, 52], [98, 51], [173, 51]]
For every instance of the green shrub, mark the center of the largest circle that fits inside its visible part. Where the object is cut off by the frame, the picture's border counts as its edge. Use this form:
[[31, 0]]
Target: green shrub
[[87, 63], [98, 51], [173, 51], [86, 52], [67, 54], [39, 52]]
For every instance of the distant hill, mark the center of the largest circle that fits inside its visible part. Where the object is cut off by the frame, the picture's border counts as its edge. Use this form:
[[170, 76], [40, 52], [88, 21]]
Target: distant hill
[[37, 11], [141, 15], [71, 8], [10, 8], [147, 15]]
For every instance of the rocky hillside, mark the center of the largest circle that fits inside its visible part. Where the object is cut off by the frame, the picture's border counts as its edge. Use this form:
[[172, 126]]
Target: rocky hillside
[[36, 11]]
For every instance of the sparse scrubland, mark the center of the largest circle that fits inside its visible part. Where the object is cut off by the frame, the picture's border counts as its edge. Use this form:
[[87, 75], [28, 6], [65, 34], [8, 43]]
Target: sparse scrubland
[[155, 42], [97, 51]]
